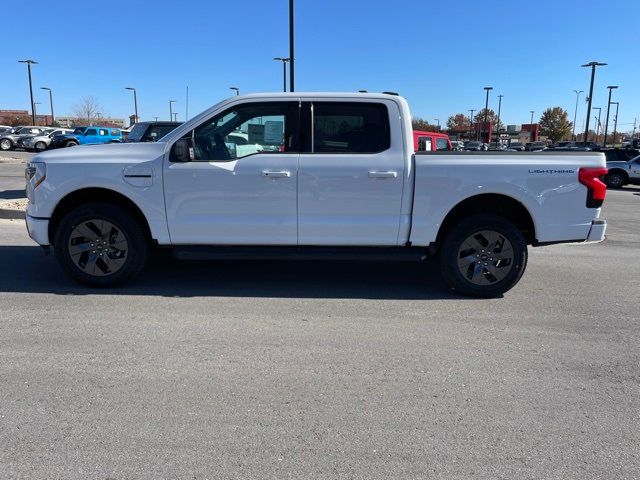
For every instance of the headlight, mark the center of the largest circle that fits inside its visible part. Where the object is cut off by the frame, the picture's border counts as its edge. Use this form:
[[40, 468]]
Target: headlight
[[35, 173]]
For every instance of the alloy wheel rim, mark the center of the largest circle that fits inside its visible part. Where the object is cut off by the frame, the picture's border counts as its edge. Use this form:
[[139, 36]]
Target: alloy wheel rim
[[615, 180], [485, 257], [5, 144], [98, 247]]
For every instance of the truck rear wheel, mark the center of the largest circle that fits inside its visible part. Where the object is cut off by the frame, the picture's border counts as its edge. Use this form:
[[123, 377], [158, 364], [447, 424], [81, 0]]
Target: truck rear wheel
[[100, 245], [71, 143], [483, 256]]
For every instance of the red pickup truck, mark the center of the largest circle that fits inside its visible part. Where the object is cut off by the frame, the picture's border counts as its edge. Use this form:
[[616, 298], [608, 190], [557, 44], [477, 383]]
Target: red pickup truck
[[430, 141]]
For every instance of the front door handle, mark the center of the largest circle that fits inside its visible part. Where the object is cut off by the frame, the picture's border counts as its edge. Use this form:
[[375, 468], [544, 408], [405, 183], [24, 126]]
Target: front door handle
[[276, 173], [382, 174]]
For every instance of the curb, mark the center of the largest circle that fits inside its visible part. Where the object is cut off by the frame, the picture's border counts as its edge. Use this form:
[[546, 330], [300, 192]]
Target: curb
[[9, 214]]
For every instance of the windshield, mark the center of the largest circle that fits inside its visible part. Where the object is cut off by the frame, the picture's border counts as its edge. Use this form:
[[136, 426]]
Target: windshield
[[79, 131]]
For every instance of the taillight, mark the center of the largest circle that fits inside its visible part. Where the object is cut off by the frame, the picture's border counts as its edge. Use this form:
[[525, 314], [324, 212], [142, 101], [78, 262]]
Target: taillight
[[596, 190]]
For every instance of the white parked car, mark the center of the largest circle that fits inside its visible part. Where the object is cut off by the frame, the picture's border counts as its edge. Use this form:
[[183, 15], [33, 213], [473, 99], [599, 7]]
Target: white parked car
[[42, 142], [622, 173], [335, 176]]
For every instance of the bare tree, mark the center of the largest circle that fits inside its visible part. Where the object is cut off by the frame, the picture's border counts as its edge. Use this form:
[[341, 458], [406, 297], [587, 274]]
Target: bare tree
[[88, 108]]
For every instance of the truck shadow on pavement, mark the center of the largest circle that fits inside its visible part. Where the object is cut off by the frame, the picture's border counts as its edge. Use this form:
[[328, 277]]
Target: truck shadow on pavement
[[26, 269], [12, 194]]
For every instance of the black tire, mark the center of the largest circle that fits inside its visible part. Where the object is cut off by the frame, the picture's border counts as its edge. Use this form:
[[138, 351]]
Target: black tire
[[6, 145], [478, 280], [125, 229], [40, 147], [71, 143], [615, 179]]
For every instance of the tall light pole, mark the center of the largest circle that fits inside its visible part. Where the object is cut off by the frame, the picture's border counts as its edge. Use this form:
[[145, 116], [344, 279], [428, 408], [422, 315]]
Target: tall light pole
[[171, 102], [471, 117], [29, 63], [236, 89], [606, 122], [291, 54], [53, 120], [575, 114], [598, 122], [438, 120], [615, 123], [593, 66], [284, 71], [135, 102], [486, 111], [175, 116], [34, 112], [498, 125], [533, 138]]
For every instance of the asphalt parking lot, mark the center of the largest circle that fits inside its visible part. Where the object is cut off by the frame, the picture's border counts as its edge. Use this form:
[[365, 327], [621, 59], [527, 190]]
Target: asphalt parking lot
[[322, 370]]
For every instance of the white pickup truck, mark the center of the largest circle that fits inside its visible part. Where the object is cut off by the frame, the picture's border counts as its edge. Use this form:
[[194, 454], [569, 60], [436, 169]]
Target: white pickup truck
[[313, 175]]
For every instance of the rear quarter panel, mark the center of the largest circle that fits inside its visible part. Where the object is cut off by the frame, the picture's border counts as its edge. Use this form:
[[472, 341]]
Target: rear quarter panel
[[546, 184]]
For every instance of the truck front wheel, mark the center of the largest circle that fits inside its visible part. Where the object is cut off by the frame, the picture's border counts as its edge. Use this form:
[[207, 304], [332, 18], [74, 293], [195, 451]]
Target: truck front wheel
[[483, 256], [100, 245]]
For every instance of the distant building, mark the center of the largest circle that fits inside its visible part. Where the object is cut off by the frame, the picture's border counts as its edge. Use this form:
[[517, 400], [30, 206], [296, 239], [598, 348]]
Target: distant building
[[8, 117], [69, 122]]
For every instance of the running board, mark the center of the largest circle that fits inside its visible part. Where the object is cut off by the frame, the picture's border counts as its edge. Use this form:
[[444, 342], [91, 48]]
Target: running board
[[224, 252]]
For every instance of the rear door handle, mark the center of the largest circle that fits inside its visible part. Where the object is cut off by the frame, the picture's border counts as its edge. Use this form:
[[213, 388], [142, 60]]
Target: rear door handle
[[382, 174], [276, 173]]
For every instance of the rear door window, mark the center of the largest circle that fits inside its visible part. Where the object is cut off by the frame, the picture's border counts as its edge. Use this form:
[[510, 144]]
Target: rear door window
[[442, 144], [350, 127]]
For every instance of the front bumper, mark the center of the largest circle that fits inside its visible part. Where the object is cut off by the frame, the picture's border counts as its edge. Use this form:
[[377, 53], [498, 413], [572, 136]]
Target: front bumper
[[38, 229], [597, 231]]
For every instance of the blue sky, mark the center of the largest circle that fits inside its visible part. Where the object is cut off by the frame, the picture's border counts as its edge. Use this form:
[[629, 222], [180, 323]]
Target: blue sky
[[439, 55]]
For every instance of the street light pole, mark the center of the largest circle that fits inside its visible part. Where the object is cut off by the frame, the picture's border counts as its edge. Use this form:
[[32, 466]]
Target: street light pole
[[606, 122], [284, 71], [486, 112], [471, 117], [533, 138], [598, 122], [615, 123], [135, 102], [236, 89], [438, 120], [175, 116], [51, 103], [171, 102], [593, 66], [29, 63], [575, 114], [291, 45], [498, 125], [34, 112]]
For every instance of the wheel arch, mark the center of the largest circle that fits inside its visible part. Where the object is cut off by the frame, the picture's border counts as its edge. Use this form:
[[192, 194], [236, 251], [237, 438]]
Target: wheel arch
[[491, 203], [93, 195]]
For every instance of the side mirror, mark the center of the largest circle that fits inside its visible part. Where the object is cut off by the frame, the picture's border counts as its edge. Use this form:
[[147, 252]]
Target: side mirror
[[182, 151]]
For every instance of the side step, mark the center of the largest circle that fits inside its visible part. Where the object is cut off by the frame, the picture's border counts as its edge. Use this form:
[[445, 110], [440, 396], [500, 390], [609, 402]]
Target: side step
[[224, 252]]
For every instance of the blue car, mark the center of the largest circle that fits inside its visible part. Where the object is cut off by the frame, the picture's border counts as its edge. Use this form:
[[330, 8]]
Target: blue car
[[92, 135]]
